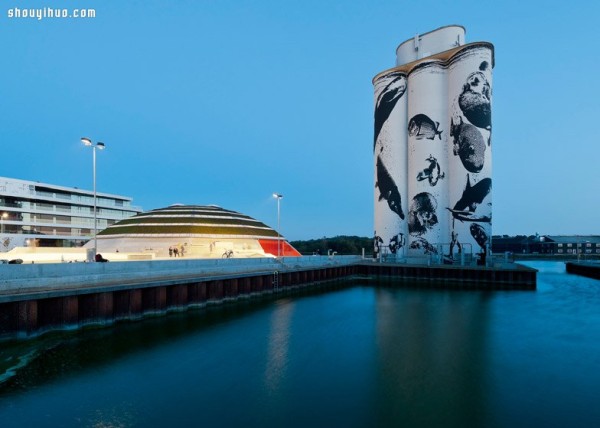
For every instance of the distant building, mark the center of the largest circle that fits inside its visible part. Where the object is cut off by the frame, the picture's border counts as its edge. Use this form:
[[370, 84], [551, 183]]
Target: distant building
[[194, 231], [513, 244], [547, 244], [47, 215]]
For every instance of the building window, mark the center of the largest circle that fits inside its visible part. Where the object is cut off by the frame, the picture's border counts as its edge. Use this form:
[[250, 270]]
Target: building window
[[569, 245], [560, 250], [560, 245]]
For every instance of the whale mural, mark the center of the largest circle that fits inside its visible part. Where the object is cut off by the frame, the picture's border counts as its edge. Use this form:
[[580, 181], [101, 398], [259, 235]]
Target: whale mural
[[432, 151]]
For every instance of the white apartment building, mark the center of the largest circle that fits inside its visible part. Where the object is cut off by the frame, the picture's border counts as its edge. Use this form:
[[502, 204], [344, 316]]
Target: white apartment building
[[34, 214]]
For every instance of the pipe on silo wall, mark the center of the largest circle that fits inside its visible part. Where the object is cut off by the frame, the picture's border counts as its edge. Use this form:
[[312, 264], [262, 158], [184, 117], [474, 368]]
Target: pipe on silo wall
[[390, 164], [427, 157], [470, 147]]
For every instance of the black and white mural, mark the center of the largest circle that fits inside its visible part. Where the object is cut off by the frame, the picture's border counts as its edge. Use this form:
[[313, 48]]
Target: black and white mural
[[432, 151], [422, 216], [427, 162], [433, 173], [388, 189], [468, 145], [470, 160], [421, 126], [390, 154], [394, 87], [423, 246], [475, 101], [467, 208]]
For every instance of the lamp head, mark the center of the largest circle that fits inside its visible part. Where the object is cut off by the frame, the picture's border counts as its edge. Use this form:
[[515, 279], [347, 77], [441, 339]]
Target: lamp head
[[277, 195], [86, 141], [100, 146]]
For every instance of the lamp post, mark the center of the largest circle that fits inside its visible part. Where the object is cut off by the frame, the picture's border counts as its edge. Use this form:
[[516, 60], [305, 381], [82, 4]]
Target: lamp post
[[100, 146], [278, 196], [2, 217]]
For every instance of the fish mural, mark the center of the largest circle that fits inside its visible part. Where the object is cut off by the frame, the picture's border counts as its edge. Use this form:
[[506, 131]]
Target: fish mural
[[466, 207], [377, 241], [388, 189], [432, 172], [422, 214], [475, 100], [432, 157], [386, 101], [421, 126], [468, 145], [397, 242], [422, 243], [479, 234], [455, 243]]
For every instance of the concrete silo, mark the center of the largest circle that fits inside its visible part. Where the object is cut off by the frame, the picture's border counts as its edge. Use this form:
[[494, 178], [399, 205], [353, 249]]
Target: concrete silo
[[432, 148]]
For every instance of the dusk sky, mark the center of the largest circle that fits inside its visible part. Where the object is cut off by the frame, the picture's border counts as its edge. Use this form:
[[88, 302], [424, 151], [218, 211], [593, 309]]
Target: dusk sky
[[225, 102]]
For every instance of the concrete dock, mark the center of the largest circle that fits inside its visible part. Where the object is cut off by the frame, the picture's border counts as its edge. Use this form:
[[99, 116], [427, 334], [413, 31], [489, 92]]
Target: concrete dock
[[36, 298], [589, 269]]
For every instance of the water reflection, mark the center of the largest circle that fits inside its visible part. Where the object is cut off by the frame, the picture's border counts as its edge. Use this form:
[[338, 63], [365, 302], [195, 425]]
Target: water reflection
[[57, 356], [433, 356], [278, 345], [354, 356], [119, 416]]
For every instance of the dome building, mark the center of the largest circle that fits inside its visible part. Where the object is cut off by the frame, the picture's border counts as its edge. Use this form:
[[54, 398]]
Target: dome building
[[196, 231]]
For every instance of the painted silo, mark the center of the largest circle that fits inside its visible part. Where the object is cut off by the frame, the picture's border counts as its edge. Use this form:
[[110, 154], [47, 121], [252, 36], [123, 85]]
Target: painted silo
[[390, 163], [470, 157], [432, 148], [427, 164]]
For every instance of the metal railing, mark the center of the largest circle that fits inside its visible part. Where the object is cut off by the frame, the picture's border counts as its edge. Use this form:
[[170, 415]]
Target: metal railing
[[462, 255]]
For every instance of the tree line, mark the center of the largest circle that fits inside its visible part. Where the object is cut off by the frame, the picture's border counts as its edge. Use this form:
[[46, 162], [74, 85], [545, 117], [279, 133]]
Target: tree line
[[343, 245]]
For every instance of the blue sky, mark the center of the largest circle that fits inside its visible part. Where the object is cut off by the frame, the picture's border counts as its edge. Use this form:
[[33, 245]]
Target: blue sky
[[226, 102]]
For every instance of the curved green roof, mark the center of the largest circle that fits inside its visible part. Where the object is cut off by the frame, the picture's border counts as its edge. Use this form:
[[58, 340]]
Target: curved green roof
[[204, 220]]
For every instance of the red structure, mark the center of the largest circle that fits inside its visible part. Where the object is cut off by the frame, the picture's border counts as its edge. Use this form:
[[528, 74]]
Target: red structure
[[286, 250]]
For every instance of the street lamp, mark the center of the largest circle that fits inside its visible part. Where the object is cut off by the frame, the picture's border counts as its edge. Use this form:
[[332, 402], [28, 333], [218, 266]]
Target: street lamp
[[2, 217], [278, 196], [100, 146]]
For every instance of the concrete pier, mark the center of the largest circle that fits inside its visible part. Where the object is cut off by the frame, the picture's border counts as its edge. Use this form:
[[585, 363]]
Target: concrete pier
[[39, 298], [589, 269], [515, 277]]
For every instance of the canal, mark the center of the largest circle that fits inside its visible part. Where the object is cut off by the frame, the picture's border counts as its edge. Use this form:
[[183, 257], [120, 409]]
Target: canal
[[349, 354]]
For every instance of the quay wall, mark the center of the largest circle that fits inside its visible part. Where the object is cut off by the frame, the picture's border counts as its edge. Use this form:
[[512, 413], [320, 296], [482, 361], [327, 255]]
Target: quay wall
[[589, 269], [54, 276], [511, 277], [36, 299]]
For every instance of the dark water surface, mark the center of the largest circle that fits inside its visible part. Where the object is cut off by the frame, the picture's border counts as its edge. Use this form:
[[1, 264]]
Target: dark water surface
[[347, 356]]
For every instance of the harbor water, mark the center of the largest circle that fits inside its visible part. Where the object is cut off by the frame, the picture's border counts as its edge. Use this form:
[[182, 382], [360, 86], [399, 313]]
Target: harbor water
[[350, 355]]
